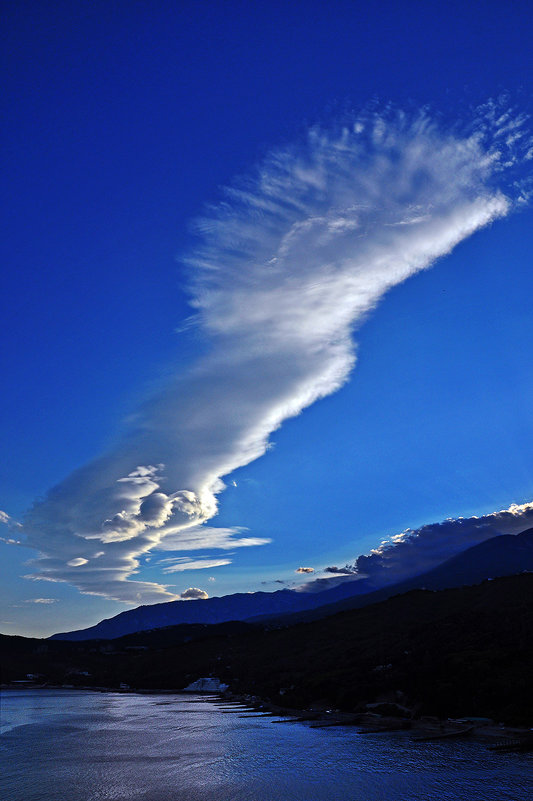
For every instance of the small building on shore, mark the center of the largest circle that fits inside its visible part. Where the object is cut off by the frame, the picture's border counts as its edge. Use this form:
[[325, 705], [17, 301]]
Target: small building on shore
[[206, 685]]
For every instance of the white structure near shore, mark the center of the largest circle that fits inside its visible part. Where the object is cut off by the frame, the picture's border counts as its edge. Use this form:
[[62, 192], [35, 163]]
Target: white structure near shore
[[208, 685]]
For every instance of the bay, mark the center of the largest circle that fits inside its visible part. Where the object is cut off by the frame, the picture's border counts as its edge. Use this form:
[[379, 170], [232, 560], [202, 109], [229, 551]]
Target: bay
[[59, 745]]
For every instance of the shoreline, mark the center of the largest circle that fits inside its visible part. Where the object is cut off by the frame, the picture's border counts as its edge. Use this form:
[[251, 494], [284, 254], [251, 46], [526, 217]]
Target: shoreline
[[424, 729]]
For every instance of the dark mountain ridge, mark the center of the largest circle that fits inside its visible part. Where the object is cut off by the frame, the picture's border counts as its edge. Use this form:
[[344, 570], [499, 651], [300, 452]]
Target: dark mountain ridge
[[238, 606], [499, 556]]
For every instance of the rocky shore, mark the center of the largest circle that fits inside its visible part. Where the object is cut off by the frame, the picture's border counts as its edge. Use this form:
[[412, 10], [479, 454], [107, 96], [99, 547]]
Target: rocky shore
[[423, 729]]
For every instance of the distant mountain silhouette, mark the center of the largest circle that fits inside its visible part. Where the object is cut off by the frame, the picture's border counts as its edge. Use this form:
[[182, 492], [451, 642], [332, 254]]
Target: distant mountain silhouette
[[504, 555], [239, 606]]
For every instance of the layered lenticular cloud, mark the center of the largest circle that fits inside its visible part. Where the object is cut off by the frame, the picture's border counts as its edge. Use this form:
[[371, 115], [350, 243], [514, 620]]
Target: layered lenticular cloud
[[285, 270]]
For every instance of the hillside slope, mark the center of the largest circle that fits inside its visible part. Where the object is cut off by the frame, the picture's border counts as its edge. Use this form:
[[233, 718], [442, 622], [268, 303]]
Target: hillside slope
[[465, 651]]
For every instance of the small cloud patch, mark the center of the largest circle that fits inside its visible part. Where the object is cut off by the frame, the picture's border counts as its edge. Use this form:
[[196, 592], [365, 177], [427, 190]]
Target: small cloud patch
[[41, 601], [305, 570], [193, 594]]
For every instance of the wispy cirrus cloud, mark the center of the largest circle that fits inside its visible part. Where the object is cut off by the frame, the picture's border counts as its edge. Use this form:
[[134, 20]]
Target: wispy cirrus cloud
[[45, 601], [205, 537], [179, 564], [285, 269], [7, 520]]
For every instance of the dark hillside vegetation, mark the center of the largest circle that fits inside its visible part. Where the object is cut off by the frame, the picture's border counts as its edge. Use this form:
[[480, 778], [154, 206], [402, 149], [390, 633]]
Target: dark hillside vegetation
[[456, 652]]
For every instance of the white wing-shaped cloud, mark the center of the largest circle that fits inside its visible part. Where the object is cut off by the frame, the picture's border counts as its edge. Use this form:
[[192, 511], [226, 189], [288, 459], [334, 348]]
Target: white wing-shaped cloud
[[285, 270]]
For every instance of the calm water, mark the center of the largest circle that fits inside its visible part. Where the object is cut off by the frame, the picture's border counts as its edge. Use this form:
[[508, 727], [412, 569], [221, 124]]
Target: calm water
[[83, 746]]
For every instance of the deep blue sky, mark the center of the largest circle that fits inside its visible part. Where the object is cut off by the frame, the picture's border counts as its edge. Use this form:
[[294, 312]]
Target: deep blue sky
[[121, 120]]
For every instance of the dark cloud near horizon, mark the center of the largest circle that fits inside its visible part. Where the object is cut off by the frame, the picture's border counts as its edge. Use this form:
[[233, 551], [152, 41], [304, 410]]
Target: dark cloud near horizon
[[416, 551], [343, 571]]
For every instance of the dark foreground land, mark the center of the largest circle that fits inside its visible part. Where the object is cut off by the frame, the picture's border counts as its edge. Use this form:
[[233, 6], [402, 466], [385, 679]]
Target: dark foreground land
[[450, 653]]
